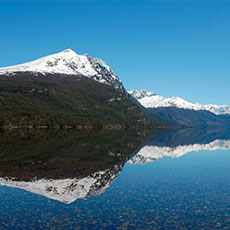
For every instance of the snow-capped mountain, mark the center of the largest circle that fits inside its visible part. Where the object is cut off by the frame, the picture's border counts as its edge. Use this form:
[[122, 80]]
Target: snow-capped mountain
[[70, 189], [150, 153], [68, 62], [152, 100]]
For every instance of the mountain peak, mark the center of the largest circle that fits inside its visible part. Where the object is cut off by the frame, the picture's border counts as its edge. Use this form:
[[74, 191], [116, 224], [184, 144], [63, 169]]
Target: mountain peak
[[68, 62], [68, 51], [141, 93]]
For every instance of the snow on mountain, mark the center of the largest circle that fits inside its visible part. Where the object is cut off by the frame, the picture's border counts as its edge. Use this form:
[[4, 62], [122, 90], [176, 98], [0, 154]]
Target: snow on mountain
[[152, 100], [150, 153], [68, 62], [70, 189]]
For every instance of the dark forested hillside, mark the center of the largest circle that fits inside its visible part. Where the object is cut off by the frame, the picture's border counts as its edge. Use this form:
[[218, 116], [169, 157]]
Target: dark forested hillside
[[192, 118], [59, 100]]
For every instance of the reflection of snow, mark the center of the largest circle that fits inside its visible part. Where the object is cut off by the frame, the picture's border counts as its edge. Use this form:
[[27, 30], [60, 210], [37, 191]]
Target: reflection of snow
[[68, 190], [151, 153]]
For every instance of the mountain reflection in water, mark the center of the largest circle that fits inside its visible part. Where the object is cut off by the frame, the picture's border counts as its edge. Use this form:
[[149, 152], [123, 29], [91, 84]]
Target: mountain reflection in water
[[66, 166]]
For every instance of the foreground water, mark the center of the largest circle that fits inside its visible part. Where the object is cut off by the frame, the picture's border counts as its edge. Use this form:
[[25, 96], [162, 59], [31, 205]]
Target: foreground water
[[169, 180]]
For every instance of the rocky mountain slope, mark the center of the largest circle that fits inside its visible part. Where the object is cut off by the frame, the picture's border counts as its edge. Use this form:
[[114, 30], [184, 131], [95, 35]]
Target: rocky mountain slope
[[68, 62]]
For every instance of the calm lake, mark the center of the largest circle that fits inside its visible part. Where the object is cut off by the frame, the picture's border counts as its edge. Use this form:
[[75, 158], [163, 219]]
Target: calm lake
[[165, 180]]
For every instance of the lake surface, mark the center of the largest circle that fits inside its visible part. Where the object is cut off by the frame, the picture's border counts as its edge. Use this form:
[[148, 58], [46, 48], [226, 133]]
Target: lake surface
[[166, 180]]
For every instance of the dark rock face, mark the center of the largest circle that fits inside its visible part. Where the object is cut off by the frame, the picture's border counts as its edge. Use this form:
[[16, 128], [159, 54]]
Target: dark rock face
[[105, 74]]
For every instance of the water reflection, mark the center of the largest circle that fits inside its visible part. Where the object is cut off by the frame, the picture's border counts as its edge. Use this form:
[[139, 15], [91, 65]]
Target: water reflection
[[66, 165], [175, 144]]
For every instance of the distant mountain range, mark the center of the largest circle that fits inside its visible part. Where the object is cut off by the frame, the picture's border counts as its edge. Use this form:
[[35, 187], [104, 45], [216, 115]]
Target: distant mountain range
[[71, 90], [152, 100], [177, 110]]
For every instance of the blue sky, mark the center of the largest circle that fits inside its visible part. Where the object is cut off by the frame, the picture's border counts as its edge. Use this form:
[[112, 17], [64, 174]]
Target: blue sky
[[176, 47]]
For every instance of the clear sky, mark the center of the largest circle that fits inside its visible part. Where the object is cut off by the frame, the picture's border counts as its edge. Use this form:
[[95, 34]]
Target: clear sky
[[175, 48]]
